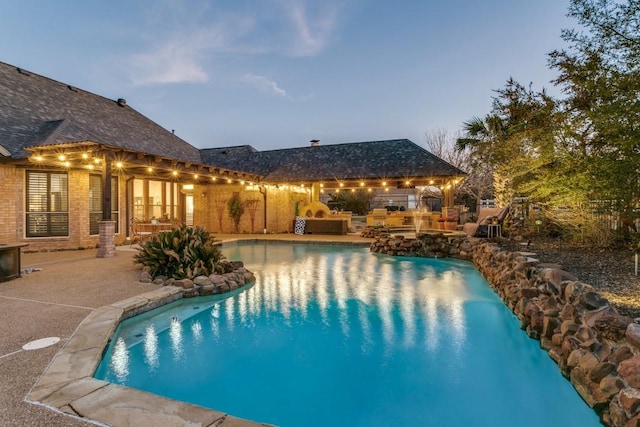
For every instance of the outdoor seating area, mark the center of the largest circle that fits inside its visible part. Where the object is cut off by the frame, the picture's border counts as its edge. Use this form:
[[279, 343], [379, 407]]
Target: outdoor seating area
[[382, 217], [141, 231], [489, 223]]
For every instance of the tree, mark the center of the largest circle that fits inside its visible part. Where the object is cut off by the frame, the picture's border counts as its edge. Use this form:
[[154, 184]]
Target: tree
[[600, 74], [358, 201], [516, 141], [479, 183], [567, 153]]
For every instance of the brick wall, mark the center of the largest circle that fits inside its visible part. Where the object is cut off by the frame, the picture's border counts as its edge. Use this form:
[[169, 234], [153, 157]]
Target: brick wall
[[9, 195], [210, 208]]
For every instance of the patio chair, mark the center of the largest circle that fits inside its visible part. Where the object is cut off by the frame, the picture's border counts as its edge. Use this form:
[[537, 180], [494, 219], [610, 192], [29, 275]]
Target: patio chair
[[486, 216], [136, 234]]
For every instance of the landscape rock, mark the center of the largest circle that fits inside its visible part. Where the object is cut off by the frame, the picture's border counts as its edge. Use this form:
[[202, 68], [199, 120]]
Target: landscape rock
[[632, 333], [629, 399], [629, 370]]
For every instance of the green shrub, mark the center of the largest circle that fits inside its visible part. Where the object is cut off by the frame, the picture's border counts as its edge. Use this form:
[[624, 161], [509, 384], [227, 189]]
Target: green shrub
[[182, 253]]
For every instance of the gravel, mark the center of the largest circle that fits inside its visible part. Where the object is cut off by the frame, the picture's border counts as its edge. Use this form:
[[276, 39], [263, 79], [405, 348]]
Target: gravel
[[610, 271]]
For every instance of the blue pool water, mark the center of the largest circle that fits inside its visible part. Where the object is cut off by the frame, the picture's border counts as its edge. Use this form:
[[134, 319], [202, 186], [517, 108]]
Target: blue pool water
[[333, 335]]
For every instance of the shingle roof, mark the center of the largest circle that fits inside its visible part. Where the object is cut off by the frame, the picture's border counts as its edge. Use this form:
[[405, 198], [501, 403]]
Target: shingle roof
[[35, 110], [398, 158]]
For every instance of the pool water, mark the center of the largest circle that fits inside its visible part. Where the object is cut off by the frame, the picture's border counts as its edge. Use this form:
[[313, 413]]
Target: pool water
[[335, 335]]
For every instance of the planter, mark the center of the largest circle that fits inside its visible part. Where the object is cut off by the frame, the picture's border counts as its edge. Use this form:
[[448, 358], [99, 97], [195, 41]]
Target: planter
[[440, 226], [450, 225]]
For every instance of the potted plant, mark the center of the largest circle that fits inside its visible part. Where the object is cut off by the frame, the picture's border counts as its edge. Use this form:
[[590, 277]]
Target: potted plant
[[440, 222], [236, 210], [451, 223]]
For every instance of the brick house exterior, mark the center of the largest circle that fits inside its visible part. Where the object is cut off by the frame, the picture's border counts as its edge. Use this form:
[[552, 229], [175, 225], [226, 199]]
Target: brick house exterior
[[70, 159]]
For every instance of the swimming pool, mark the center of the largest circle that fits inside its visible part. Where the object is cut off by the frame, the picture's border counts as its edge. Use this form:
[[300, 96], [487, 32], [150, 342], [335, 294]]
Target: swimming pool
[[334, 335]]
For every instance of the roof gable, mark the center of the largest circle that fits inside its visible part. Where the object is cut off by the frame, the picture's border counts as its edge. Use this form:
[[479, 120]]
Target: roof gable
[[31, 105], [398, 158]]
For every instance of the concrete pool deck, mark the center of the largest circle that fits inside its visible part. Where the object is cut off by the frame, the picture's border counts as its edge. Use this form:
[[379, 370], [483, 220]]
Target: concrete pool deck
[[78, 297]]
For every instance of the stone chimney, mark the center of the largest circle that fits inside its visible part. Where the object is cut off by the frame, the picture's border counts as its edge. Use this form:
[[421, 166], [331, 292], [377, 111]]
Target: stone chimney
[[315, 142]]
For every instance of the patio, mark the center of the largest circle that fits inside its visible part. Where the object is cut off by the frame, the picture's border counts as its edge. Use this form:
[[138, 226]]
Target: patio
[[52, 303]]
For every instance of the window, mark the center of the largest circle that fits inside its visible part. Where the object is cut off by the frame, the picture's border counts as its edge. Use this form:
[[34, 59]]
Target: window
[[157, 199], [47, 207], [95, 202], [189, 209]]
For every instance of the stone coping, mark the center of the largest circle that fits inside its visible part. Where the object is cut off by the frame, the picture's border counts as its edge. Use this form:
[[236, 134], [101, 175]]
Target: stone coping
[[326, 241], [68, 386]]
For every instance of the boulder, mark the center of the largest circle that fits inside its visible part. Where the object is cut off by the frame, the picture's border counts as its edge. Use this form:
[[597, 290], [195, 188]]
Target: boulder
[[202, 281], [588, 361], [145, 277], [184, 283], [568, 312], [556, 276], [590, 317], [216, 279], [549, 326], [612, 326], [569, 343], [593, 301], [568, 327], [574, 357], [632, 333], [629, 370], [584, 333], [574, 290], [207, 290], [611, 385], [629, 399], [622, 353], [222, 288], [590, 391], [600, 371]]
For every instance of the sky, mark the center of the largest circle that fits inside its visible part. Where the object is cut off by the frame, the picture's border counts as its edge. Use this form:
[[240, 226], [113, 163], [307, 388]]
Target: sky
[[278, 73]]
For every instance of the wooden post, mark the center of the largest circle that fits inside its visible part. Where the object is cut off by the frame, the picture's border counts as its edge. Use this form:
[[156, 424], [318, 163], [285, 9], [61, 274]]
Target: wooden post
[[106, 186], [106, 242]]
